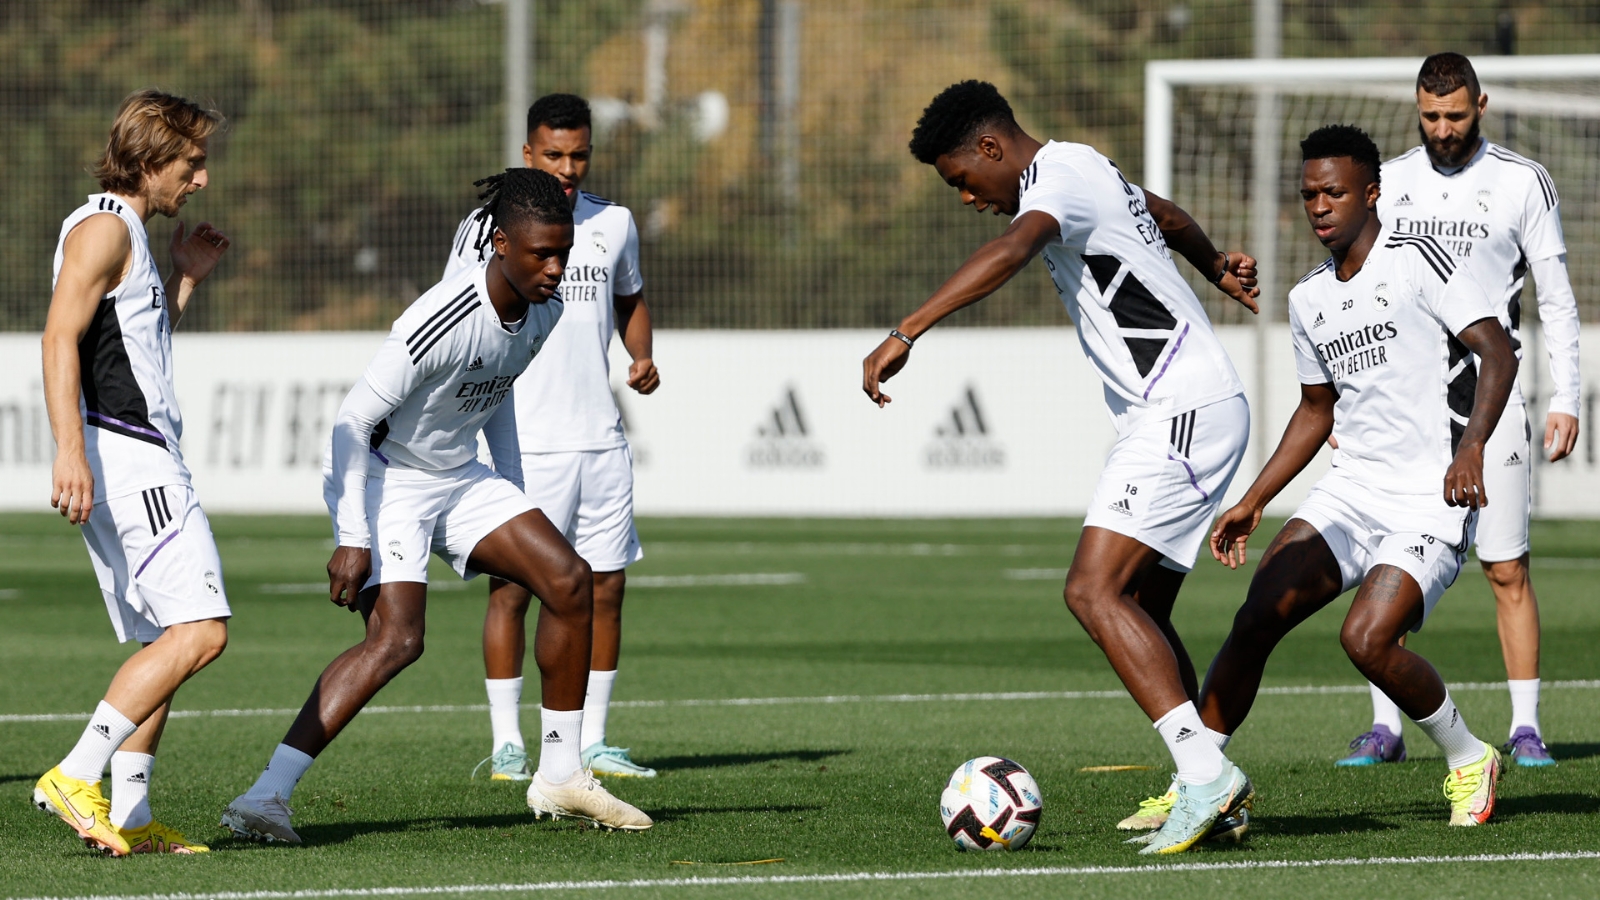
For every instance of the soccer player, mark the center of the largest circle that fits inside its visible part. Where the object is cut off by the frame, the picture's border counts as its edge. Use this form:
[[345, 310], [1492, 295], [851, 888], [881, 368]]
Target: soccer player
[[405, 480], [1178, 406], [1385, 335], [118, 471], [1498, 216], [576, 463]]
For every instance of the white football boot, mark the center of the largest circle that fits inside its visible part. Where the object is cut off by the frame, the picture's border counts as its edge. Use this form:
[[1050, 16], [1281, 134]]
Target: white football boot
[[260, 819], [583, 797]]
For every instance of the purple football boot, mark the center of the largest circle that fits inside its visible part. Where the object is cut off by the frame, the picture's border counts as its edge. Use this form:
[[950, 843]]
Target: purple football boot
[[1528, 749], [1380, 745]]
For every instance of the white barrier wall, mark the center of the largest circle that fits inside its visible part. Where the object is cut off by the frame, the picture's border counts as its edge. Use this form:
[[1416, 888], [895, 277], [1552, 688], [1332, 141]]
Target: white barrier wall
[[984, 422]]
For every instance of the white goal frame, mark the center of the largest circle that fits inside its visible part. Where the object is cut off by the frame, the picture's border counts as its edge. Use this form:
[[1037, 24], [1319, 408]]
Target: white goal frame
[[1386, 77]]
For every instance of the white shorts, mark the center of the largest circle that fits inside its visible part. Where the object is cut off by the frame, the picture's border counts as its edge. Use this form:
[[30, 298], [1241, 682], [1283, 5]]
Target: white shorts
[[588, 496], [1366, 528], [414, 511], [1507, 479], [1164, 480], [156, 560]]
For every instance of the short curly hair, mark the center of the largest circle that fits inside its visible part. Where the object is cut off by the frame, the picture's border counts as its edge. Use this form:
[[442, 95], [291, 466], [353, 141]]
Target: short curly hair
[[1332, 141], [1442, 74], [561, 112], [955, 119]]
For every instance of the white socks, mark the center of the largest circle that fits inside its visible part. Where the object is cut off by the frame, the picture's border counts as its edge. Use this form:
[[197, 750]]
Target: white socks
[[106, 731], [1218, 738], [596, 703], [1198, 759], [1449, 730], [558, 743], [1524, 704], [1384, 712], [282, 773], [130, 789], [505, 699]]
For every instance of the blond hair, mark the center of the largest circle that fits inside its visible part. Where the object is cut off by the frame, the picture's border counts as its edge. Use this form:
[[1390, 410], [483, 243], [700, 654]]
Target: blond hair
[[152, 129]]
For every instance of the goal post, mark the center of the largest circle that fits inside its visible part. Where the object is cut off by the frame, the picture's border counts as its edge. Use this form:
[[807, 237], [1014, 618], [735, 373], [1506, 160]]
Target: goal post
[[1221, 140]]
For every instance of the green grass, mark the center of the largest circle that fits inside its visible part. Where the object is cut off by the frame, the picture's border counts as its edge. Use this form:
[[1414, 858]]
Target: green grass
[[888, 607]]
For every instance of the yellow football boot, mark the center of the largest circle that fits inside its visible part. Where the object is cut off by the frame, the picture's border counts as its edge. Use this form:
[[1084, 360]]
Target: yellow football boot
[[81, 805]]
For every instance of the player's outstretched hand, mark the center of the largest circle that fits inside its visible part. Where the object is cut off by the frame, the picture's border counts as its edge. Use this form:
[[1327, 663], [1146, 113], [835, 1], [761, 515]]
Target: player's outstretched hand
[[1232, 530], [72, 487], [1560, 435], [195, 255], [643, 377], [347, 574], [1463, 481], [883, 364], [1239, 280]]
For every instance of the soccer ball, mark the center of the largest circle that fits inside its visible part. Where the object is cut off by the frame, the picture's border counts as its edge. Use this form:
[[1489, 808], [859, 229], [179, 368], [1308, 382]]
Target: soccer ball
[[991, 804]]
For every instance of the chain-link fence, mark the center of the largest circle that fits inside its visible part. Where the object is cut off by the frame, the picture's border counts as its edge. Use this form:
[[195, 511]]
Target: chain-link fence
[[760, 143]]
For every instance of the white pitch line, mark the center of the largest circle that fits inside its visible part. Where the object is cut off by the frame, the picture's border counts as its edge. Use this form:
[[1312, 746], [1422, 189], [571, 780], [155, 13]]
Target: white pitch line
[[733, 580], [848, 877], [826, 700]]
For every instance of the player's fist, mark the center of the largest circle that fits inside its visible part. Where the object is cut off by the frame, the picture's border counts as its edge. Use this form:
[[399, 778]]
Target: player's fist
[[72, 487], [643, 376], [1232, 530], [196, 254], [1239, 279], [347, 574], [1463, 481], [881, 365]]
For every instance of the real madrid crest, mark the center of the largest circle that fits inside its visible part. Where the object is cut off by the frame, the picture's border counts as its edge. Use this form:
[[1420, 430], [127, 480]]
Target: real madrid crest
[[1483, 200], [599, 239], [1380, 297]]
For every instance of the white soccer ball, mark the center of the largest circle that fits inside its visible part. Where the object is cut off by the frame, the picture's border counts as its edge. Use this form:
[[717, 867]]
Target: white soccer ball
[[991, 804]]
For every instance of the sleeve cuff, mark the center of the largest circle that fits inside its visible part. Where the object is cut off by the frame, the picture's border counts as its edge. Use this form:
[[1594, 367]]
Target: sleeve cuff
[[1565, 405]]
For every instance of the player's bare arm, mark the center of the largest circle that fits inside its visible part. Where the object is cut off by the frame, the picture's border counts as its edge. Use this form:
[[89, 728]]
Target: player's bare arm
[[991, 266], [95, 260], [1233, 272], [1309, 427], [1463, 481], [194, 256], [633, 323]]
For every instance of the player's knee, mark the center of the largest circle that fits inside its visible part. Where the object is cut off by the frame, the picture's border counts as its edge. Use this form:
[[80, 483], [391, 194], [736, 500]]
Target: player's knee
[[202, 642], [572, 588], [397, 648], [1507, 577], [1080, 597], [1364, 644], [1255, 620]]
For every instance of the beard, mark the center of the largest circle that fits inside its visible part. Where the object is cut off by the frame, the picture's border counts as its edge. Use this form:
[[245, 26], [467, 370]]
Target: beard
[[1454, 153]]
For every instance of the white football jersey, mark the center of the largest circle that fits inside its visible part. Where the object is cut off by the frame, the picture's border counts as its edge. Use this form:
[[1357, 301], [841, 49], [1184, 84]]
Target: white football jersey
[[1495, 215], [1138, 321], [447, 365], [129, 404], [564, 402], [1386, 340]]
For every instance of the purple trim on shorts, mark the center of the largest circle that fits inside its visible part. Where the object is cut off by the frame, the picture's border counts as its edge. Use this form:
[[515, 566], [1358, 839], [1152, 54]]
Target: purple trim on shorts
[[1175, 348], [94, 416], [381, 458], [164, 541], [1193, 482]]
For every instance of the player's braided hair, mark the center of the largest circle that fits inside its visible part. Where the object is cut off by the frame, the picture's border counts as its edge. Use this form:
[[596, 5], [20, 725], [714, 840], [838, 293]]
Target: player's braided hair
[[1443, 74], [519, 196], [1332, 141], [956, 118]]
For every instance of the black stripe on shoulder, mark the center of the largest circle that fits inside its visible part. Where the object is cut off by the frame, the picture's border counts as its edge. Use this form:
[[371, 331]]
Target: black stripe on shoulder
[[1324, 265], [417, 353], [1547, 185], [1430, 251], [427, 328], [593, 198], [1406, 155]]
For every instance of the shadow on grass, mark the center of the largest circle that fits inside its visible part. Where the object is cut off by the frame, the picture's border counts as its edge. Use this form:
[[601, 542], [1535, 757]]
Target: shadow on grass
[[679, 813], [8, 779], [1310, 826], [1558, 804], [726, 760], [1573, 751]]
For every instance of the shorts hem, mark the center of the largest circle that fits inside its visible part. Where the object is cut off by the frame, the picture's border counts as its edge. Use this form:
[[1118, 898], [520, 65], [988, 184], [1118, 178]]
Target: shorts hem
[[1493, 556], [1168, 553]]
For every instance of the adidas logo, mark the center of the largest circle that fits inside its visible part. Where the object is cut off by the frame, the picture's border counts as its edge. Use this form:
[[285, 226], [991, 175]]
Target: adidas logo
[[1405, 200], [1514, 460], [553, 737], [1121, 506], [475, 365], [104, 731], [1416, 551], [1184, 734], [1317, 323], [136, 778]]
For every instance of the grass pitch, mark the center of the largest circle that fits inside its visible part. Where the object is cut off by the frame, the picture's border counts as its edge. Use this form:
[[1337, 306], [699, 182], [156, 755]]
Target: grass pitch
[[875, 616]]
